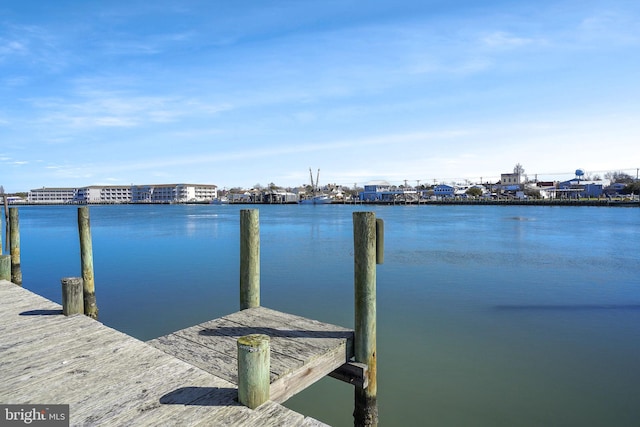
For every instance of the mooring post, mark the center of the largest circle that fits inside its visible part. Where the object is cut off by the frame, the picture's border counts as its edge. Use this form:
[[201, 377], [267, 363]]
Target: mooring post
[[5, 267], [6, 225], [1, 247], [72, 296], [253, 370], [14, 246], [379, 241], [86, 261], [249, 259], [364, 240]]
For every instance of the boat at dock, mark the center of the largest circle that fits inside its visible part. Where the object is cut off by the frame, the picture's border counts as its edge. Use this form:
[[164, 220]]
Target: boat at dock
[[317, 198], [220, 201], [321, 199]]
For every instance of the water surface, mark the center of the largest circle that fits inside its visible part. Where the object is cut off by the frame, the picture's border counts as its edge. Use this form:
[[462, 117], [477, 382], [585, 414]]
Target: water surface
[[487, 315]]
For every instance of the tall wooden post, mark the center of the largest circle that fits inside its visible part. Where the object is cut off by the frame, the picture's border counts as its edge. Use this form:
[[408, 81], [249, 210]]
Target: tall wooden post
[[5, 267], [253, 370], [364, 240], [379, 241], [249, 259], [7, 226], [86, 261], [72, 299], [14, 246], [1, 247]]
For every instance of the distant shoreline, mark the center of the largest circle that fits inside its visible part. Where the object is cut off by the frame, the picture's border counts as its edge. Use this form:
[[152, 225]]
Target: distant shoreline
[[579, 202]]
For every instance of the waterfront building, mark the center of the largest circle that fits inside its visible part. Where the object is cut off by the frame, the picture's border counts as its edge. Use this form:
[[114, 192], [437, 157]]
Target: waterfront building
[[510, 179], [163, 193], [382, 191], [375, 191], [13, 200], [615, 189], [279, 196], [443, 190], [173, 193], [577, 188], [546, 189], [104, 194], [52, 195], [245, 197]]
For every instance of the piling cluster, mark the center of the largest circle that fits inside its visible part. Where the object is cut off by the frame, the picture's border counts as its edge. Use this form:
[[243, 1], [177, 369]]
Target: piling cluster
[[78, 297], [253, 350], [10, 263]]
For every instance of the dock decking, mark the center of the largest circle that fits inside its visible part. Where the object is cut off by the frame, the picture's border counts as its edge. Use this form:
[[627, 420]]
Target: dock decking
[[109, 378], [302, 350]]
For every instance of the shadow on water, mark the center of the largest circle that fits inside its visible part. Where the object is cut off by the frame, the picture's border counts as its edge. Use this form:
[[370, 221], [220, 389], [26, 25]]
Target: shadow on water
[[566, 307]]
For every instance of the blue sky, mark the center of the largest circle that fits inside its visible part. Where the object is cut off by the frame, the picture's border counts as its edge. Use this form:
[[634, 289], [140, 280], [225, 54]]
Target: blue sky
[[236, 93]]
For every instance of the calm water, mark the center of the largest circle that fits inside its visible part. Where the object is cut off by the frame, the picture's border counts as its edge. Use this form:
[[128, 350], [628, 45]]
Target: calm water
[[487, 315]]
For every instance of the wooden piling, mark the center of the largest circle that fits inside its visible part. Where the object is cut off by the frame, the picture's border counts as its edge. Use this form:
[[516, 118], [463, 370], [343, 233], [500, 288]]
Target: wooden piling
[[379, 241], [7, 226], [249, 259], [14, 246], [253, 370], [72, 296], [364, 239], [5, 267], [86, 261]]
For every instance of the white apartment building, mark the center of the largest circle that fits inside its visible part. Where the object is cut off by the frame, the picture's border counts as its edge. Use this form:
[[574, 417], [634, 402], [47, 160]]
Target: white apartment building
[[163, 193], [104, 194], [52, 195], [173, 193]]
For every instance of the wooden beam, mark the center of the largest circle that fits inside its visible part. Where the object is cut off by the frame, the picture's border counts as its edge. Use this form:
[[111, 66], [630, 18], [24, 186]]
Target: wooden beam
[[353, 373]]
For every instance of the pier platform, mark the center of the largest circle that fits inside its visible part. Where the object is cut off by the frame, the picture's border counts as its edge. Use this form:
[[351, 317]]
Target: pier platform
[[187, 378], [302, 350]]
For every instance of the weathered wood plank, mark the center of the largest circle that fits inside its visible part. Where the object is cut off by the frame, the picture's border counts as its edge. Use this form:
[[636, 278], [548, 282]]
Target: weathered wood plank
[[27, 309], [221, 334], [151, 394], [185, 405], [316, 368], [25, 363], [302, 350], [69, 359], [109, 378], [44, 334], [211, 360], [312, 422], [306, 332]]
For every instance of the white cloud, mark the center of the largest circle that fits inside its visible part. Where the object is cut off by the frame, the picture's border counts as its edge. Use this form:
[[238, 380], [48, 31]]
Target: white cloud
[[11, 47], [504, 40], [31, 46]]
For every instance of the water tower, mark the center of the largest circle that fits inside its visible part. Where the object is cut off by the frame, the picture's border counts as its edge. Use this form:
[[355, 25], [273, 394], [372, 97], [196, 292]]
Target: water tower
[[579, 174]]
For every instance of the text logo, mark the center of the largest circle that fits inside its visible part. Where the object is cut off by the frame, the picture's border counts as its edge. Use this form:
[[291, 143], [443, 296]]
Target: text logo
[[34, 415]]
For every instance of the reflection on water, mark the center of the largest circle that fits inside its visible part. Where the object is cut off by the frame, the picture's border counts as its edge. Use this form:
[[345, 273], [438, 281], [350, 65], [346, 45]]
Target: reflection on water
[[568, 307], [487, 315]]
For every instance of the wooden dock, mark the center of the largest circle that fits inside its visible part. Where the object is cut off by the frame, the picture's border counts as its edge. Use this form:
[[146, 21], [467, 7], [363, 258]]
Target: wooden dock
[[109, 378], [302, 350]]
